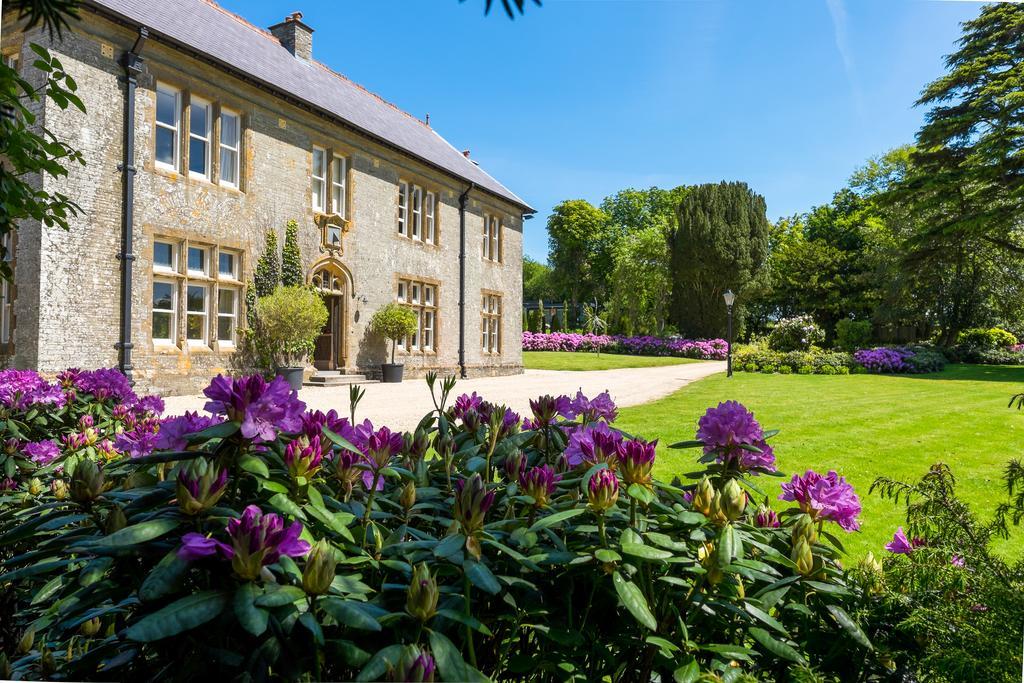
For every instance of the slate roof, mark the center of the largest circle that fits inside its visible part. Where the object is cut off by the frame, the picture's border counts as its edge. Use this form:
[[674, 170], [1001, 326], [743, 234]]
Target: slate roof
[[237, 45]]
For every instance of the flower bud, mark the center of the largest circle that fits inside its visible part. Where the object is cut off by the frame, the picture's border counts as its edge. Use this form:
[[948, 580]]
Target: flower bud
[[408, 497], [870, 564], [416, 446], [303, 459], [472, 501], [708, 556], [91, 627], [318, 574], [28, 639], [414, 666], [115, 521], [5, 667], [201, 484], [603, 490], [35, 487], [514, 466], [471, 420], [87, 483], [734, 500], [539, 484], [803, 557], [703, 495], [636, 461], [47, 663], [421, 600], [803, 527], [766, 518], [86, 422], [717, 512], [59, 489]]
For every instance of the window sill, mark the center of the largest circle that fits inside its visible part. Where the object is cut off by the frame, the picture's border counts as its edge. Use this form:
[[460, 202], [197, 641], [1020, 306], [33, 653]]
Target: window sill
[[416, 242], [165, 347]]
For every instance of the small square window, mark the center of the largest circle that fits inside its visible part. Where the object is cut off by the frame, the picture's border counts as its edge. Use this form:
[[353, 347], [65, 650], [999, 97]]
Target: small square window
[[163, 256], [333, 235], [197, 260], [227, 265]]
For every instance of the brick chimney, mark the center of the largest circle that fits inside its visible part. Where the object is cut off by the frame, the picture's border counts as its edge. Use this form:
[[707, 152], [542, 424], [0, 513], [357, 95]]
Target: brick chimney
[[295, 36]]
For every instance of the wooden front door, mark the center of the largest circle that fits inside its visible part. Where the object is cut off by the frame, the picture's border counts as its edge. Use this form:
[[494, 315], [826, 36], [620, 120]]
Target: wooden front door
[[329, 353]]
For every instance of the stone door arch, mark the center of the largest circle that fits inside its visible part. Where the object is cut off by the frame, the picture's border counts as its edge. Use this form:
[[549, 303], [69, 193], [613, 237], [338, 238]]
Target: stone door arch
[[334, 282]]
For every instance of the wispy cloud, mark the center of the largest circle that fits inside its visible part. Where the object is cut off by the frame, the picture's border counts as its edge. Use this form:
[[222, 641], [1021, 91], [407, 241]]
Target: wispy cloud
[[837, 10]]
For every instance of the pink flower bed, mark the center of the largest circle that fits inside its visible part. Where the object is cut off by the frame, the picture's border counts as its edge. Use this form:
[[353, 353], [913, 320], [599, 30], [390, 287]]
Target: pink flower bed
[[705, 349]]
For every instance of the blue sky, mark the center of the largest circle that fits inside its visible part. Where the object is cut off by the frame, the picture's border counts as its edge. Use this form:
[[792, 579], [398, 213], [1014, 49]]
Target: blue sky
[[581, 98]]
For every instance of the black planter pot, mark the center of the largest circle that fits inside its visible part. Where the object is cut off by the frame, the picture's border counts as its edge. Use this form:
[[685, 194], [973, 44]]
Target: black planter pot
[[391, 372], [293, 375]]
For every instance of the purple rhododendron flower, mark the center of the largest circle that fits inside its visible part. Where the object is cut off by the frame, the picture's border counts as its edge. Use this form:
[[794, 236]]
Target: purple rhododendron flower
[[21, 389], [601, 407], [727, 428], [766, 518], [257, 539], [593, 443], [828, 497], [884, 359], [382, 446], [315, 421], [706, 349], [106, 383], [547, 408], [899, 544], [262, 408], [539, 483], [174, 430], [150, 405], [42, 452], [137, 442], [467, 402]]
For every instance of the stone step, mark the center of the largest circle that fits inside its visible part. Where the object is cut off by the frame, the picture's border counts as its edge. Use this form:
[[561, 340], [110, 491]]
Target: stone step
[[336, 379]]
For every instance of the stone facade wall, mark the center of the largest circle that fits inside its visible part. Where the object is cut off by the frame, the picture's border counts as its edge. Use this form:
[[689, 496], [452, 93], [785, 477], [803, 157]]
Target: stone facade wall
[[75, 288]]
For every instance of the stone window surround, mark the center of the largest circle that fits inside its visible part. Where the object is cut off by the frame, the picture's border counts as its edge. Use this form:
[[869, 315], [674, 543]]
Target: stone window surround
[[216, 104], [410, 181], [487, 317], [213, 281], [492, 241], [332, 151], [8, 295], [402, 278]]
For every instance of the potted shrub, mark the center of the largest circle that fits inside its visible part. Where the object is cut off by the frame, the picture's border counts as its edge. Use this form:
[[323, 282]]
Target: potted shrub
[[394, 322], [287, 324]]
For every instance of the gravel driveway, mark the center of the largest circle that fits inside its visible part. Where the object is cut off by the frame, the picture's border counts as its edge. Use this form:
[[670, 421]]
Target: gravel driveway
[[401, 406]]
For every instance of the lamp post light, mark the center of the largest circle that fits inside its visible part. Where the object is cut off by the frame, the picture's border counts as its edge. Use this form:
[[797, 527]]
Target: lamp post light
[[730, 299]]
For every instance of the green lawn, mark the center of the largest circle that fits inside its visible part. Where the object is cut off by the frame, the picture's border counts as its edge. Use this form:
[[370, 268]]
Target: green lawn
[[569, 360], [863, 426]]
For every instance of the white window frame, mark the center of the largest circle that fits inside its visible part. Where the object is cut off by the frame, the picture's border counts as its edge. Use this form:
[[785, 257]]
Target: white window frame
[[486, 244], [339, 191], [204, 314], [172, 311], [6, 298], [160, 268], [175, 129], [233, 315], [233, 147], [492, 238], [235, 260], [429, 210], [490, 315], [205, 272], [401, 296], [318, 178], [205, 137], [417, 213], [403, 207]]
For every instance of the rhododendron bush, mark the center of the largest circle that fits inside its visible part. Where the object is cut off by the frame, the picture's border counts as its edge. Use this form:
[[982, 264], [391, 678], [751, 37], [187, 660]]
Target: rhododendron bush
[[263, 540], [705, 349]]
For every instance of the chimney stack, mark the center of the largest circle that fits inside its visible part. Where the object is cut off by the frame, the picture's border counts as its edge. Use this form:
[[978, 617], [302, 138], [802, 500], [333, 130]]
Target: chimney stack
[[295, 36], [465, 153]]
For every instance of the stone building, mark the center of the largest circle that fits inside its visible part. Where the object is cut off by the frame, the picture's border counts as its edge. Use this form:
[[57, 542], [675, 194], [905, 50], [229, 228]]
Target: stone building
[[237, 130]]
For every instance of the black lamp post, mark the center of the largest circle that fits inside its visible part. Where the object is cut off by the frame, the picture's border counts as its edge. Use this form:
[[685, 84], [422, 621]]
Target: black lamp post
[[730, 299]]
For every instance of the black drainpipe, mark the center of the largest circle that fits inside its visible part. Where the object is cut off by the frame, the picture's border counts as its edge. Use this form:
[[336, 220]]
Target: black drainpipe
[[132, 63], [462, 279]]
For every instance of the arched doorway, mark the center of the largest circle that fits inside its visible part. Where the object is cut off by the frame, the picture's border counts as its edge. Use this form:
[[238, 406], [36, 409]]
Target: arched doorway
[[333, 282]]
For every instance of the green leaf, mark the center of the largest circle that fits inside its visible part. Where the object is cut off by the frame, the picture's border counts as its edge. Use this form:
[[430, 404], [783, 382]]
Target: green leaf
[[551, 520], [450, 662], [645, 552], [687, 444], [313, 626], [385, 659], [640, 493], [465, 620], [254, 465], [763, 616], [180, 616], [287, 505], [346, 612], [687, 673], [344, 443], [633, 600], [849, 625], [776, 647], [729, 545], [137, 533], [280, 596], [252, 618], [481, 576], [606, 555], [164, 578], [51, 587], [449, 545], [221, 430]]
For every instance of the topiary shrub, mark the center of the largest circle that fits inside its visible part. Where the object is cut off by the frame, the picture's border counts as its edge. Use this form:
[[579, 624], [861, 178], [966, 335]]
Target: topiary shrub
[[806, 370], [288, 323], [291, 257], [394, 322], [795, 334], [785, 370], [853, 334], [986, 338]]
